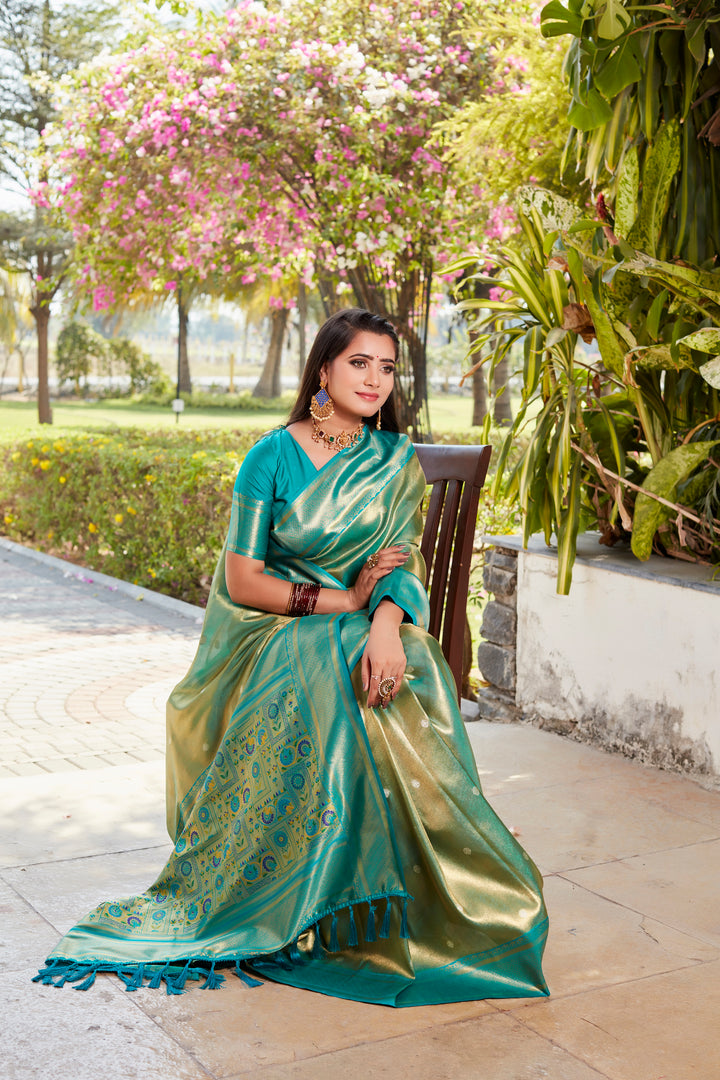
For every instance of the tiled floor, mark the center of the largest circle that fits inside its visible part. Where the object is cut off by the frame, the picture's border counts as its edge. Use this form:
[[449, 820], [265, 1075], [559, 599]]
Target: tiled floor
[[631, 858]]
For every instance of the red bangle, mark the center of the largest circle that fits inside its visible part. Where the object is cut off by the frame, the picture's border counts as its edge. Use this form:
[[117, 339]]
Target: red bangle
[[303, 598]]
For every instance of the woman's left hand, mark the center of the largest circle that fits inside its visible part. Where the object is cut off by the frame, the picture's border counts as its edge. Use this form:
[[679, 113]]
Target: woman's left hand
[[384, 658]]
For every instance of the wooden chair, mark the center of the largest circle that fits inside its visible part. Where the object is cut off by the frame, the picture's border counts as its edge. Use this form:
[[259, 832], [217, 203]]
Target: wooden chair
[[457, 474]]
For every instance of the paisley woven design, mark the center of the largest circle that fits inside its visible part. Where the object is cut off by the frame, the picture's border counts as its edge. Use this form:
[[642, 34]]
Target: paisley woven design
[[259, 809]]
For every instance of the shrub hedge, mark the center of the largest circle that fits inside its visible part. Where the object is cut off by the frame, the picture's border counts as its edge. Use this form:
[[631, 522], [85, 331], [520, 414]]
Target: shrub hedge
[[147, 507]]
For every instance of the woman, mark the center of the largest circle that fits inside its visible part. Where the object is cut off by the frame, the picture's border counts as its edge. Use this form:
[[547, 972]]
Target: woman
[[323, 798]]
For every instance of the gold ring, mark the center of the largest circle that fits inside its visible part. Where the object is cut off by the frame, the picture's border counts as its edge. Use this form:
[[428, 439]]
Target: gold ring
[[386, 687], [372, 560]]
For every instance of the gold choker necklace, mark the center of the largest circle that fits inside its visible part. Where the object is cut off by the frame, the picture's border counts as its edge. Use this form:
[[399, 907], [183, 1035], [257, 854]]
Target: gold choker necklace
[[342, 441]]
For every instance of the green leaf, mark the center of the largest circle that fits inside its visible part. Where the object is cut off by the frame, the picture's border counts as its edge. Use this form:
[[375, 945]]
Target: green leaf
[[556, 20], [661, 166], [705, 340], [591, 113], [568, 530], [663, 480], [555, 336], [555, 212], [626, 197], [711, 372], [619, 71], [695, 36], [532, 359], [613, 20], [611, 350], [652, 321]]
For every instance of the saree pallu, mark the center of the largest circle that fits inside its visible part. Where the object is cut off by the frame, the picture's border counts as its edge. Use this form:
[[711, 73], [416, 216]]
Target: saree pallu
[[317, 842]]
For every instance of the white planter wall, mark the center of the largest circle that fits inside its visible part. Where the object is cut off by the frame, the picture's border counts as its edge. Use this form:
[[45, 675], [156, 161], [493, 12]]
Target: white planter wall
[[630, 659]]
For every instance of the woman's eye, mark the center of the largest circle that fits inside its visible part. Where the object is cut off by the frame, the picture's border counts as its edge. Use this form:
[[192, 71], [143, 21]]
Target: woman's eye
[[389, 370], [358, 363]]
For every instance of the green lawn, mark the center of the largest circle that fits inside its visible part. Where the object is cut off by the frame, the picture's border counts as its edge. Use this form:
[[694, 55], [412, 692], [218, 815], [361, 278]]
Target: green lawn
[[448, 412]]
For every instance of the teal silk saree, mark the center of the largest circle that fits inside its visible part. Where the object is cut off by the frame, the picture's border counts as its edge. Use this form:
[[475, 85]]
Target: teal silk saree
[[317, 842]]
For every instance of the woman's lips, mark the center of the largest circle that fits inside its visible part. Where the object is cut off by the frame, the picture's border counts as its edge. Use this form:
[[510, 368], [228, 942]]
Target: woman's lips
[[369, 397]]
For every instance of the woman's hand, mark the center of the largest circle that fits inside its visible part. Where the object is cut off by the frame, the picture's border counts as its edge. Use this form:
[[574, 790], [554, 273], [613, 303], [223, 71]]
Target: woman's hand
[[384, 656], [388, 558]]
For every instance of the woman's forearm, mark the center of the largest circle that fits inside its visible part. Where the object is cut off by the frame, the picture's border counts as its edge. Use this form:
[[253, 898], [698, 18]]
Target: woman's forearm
[[250, 586]]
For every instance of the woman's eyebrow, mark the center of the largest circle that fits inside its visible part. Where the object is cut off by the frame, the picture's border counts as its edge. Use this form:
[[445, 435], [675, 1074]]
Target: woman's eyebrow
[[369, 356]]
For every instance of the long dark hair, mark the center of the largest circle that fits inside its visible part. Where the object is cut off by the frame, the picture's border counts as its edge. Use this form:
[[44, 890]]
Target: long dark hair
[[333, 337]]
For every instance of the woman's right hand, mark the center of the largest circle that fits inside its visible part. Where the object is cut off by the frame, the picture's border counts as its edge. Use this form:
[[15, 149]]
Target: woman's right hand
[[388, 558]]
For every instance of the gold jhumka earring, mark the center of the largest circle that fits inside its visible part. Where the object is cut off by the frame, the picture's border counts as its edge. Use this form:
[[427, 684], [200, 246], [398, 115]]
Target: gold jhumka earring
[[378, 422]]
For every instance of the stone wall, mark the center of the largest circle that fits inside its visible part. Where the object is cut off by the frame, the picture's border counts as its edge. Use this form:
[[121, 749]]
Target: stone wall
[[497, 652]]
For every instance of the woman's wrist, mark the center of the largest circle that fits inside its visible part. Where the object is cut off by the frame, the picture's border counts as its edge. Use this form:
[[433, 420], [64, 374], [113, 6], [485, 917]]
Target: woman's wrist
[[387, 613]]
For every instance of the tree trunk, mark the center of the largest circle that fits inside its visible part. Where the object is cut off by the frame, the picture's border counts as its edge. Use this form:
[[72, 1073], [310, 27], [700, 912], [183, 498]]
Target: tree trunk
[[502, 411], [184, 384], [268, 385], [41, 313], [302, 326]]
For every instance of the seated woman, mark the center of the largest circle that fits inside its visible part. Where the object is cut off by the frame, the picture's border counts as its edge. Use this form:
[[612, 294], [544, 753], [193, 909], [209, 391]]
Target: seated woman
[[328, 825]]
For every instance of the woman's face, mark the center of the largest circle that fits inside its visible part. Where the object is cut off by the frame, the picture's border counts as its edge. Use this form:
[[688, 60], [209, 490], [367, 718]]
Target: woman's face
[[360, 379]]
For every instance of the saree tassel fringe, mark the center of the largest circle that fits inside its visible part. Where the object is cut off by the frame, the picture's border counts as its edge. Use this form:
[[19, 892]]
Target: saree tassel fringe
[[334, 945], [244, 977], [370, 927], [58, 971], [214, 979], [158, 977], [385, 928], [352, 932], [404, 924]]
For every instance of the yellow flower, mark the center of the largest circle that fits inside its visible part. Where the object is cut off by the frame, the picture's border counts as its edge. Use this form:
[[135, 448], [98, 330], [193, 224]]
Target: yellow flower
[[131, 511], [15, 456], [92, 528], [62, 479], [9, 519], [149, 477], [119, 518], [59, 446], [30, 445], [50, 534], [35, 461], [151, 572], [44, 465]]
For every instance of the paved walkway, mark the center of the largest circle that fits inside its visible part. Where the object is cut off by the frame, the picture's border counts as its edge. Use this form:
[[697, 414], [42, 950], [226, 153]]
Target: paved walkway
[[631, 859]]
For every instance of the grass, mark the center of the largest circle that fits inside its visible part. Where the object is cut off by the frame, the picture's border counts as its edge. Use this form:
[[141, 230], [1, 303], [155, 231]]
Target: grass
[[448, 413]]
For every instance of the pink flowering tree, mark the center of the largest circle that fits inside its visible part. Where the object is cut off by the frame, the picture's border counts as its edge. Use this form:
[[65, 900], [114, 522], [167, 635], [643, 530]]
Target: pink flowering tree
[[283, 140]]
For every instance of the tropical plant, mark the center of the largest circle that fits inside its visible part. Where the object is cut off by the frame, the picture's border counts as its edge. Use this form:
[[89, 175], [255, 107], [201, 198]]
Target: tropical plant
[[626, 440], [632, 68]]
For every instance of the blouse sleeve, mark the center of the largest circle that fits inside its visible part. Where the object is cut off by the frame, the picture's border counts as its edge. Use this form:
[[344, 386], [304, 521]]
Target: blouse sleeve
[[252, 502], [405, 584]]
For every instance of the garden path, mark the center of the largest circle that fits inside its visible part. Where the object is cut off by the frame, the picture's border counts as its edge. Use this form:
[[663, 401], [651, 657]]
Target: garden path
[[630, 857]]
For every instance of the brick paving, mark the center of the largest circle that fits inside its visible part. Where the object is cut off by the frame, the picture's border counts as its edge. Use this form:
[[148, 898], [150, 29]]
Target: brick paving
[[85, 669]]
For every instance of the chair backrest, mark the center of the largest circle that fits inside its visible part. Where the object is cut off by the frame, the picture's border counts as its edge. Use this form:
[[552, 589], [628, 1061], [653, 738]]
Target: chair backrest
[[457, 474]]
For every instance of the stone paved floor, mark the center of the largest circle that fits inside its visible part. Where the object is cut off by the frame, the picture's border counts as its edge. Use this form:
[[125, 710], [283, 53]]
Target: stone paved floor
[[630, 855]]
